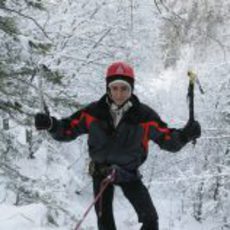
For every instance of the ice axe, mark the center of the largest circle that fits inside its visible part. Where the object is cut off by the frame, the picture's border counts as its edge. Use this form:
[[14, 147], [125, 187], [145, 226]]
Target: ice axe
[[43, 106], [193, 79]]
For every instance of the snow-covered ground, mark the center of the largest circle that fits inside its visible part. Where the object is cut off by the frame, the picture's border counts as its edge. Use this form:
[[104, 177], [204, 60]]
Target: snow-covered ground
[[34, 217], [59, 170]]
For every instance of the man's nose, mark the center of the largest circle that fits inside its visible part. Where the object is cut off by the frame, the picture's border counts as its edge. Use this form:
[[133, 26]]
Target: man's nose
[[119, 93]]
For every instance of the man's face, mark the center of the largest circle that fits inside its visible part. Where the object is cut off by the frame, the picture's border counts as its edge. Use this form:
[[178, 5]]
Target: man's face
[[119, 92]]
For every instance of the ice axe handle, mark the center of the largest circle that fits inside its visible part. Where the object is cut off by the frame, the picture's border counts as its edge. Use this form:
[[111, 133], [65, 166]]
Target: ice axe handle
[[192, 79]]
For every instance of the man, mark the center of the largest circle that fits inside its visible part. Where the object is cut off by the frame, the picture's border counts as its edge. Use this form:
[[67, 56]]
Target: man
[[119, 128]]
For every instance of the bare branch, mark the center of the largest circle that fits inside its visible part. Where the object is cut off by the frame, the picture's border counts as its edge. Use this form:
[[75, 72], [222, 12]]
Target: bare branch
[[157, 6]]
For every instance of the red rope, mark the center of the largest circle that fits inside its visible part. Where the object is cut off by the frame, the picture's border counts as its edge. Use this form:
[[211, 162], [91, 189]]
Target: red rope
[[104, 184]]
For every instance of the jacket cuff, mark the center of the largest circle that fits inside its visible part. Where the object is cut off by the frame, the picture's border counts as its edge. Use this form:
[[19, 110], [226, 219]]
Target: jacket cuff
[[53, 124]]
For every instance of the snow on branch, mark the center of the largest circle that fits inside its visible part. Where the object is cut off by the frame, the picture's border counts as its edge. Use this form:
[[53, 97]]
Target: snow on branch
[[28, 17]]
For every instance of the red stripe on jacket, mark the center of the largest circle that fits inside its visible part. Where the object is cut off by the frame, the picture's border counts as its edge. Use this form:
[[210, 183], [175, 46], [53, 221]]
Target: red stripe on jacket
[[88, 120], [146, 135]]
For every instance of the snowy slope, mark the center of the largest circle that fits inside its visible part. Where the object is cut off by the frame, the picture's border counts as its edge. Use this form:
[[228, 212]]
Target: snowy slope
[[34, 217]]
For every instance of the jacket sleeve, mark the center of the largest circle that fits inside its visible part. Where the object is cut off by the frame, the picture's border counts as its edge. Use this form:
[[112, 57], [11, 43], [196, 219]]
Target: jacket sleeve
[[169, 139], [68, 129]]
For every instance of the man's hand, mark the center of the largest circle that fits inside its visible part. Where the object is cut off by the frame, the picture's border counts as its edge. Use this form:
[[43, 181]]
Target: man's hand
[[43, 121]]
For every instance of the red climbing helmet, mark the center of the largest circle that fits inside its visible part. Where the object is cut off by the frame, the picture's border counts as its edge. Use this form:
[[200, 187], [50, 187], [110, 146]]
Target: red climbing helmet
[[120, 68]]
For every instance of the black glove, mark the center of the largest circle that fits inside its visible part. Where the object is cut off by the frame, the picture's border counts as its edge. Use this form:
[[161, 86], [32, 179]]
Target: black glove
[[43, 121], [191, 131]]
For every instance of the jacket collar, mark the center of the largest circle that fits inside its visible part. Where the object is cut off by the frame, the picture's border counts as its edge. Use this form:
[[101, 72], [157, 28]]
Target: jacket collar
[[132, 115]]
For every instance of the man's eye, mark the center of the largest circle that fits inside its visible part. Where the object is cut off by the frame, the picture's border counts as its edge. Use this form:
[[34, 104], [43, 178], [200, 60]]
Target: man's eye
[[124, 88]]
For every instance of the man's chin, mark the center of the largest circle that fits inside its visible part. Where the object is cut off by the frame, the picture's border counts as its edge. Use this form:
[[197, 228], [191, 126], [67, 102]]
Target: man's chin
[[119, 103]]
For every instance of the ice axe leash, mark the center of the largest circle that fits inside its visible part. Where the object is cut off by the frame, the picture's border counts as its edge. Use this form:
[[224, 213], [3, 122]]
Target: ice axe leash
[[193, 79]]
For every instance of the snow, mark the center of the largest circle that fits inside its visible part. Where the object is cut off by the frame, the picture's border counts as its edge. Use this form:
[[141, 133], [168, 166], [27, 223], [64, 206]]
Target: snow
[[56, 182], [34, 217], [29, 217]]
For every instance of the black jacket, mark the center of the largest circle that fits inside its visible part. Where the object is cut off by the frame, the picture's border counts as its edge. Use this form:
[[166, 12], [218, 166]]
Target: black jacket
[[127, 144]]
